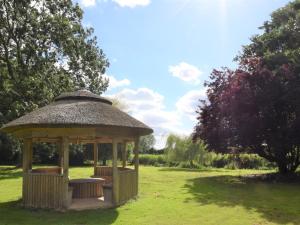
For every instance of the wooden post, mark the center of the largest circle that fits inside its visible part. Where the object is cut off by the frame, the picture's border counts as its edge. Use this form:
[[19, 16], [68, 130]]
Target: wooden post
[[60, 156], [95, 157], [115, 173], [30, 155], [65, 155], [136, 161], [27, 164], [124, 154], [27, 155], [65, 160]]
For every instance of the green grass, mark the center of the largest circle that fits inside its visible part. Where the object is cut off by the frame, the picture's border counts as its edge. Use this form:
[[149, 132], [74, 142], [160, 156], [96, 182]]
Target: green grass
[[170, 196]]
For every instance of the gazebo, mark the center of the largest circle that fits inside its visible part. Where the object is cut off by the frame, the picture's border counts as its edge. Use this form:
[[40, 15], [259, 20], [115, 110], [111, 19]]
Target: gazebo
[[78, 117]]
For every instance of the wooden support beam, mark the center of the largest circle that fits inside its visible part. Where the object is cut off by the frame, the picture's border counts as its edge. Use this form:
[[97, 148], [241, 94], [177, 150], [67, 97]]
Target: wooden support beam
[[65, 160], [60, 155], [95, 145], [124, 153], [115, 173], [136, 160], [27, 155], [27, 164], [65, 154]]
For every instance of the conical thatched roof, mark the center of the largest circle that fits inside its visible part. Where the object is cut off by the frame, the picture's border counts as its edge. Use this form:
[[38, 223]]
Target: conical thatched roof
[[78, 109]]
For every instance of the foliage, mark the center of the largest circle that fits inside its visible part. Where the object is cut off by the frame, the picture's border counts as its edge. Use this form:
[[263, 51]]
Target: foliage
[[152, 160], [44, 50], [9, 149], [279, 42], [255, 108], [210, 160], [180, 149], [45, 153], [146, 143], [169, 196]]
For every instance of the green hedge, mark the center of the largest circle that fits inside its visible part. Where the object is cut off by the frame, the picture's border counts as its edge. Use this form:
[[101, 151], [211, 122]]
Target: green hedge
[[230, 161], [153, 160]]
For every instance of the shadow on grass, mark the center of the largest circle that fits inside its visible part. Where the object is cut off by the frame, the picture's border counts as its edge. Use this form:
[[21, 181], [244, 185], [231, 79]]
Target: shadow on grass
[[10, 173], [276, 202], [12, 213]]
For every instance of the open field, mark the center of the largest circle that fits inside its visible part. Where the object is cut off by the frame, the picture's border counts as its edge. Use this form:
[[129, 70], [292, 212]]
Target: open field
[[170, 196]]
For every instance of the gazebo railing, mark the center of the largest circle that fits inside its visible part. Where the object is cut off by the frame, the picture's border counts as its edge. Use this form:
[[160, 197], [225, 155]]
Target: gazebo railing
[[127, 181], [101, 171], [127, 185], [42, 190], [105, 171]]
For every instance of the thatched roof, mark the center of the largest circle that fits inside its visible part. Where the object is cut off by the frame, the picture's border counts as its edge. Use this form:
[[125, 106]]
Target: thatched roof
[[78, 109]]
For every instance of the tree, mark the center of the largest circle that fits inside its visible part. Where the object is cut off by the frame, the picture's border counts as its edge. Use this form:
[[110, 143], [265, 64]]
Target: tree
[[254, 110], [146, 143], [280, 41], [184, 149], [45, 50]]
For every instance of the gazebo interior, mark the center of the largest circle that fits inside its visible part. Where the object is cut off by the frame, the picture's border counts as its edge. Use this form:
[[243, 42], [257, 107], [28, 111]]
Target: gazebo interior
[[78, 118]]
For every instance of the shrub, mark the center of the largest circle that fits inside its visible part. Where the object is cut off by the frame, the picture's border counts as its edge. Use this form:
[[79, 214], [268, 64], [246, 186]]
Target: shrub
[[153, 160]]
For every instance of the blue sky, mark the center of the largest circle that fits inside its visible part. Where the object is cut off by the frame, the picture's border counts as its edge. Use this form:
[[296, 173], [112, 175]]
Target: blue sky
[[161, 51]]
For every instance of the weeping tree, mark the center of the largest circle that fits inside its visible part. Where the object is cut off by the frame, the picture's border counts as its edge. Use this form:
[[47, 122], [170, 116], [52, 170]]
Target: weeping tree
[[45, 50], [146, 143], [184, 149]]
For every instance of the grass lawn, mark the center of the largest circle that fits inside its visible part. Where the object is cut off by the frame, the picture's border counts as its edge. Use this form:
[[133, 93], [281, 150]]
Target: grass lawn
[[170, 196]]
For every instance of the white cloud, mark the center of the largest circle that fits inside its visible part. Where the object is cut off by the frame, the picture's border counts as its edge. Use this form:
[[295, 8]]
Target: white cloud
[[114, 82], [188, 103], [148, 106], [186, 72], [141, 99], [88, 3], [132, 3]]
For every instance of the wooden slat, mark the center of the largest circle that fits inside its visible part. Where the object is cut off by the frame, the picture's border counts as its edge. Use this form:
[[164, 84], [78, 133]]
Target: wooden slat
[[127, 185], [43, 190]]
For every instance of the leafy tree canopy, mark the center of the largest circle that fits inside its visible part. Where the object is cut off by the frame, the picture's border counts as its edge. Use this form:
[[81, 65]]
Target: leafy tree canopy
[[45, 50], [280, 41], [255, 108]]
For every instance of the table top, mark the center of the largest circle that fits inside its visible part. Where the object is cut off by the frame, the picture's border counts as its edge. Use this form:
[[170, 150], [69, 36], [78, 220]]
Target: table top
[[86, 180]]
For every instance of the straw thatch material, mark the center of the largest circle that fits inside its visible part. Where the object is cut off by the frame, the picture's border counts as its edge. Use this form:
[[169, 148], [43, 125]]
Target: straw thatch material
[[78, 109]]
